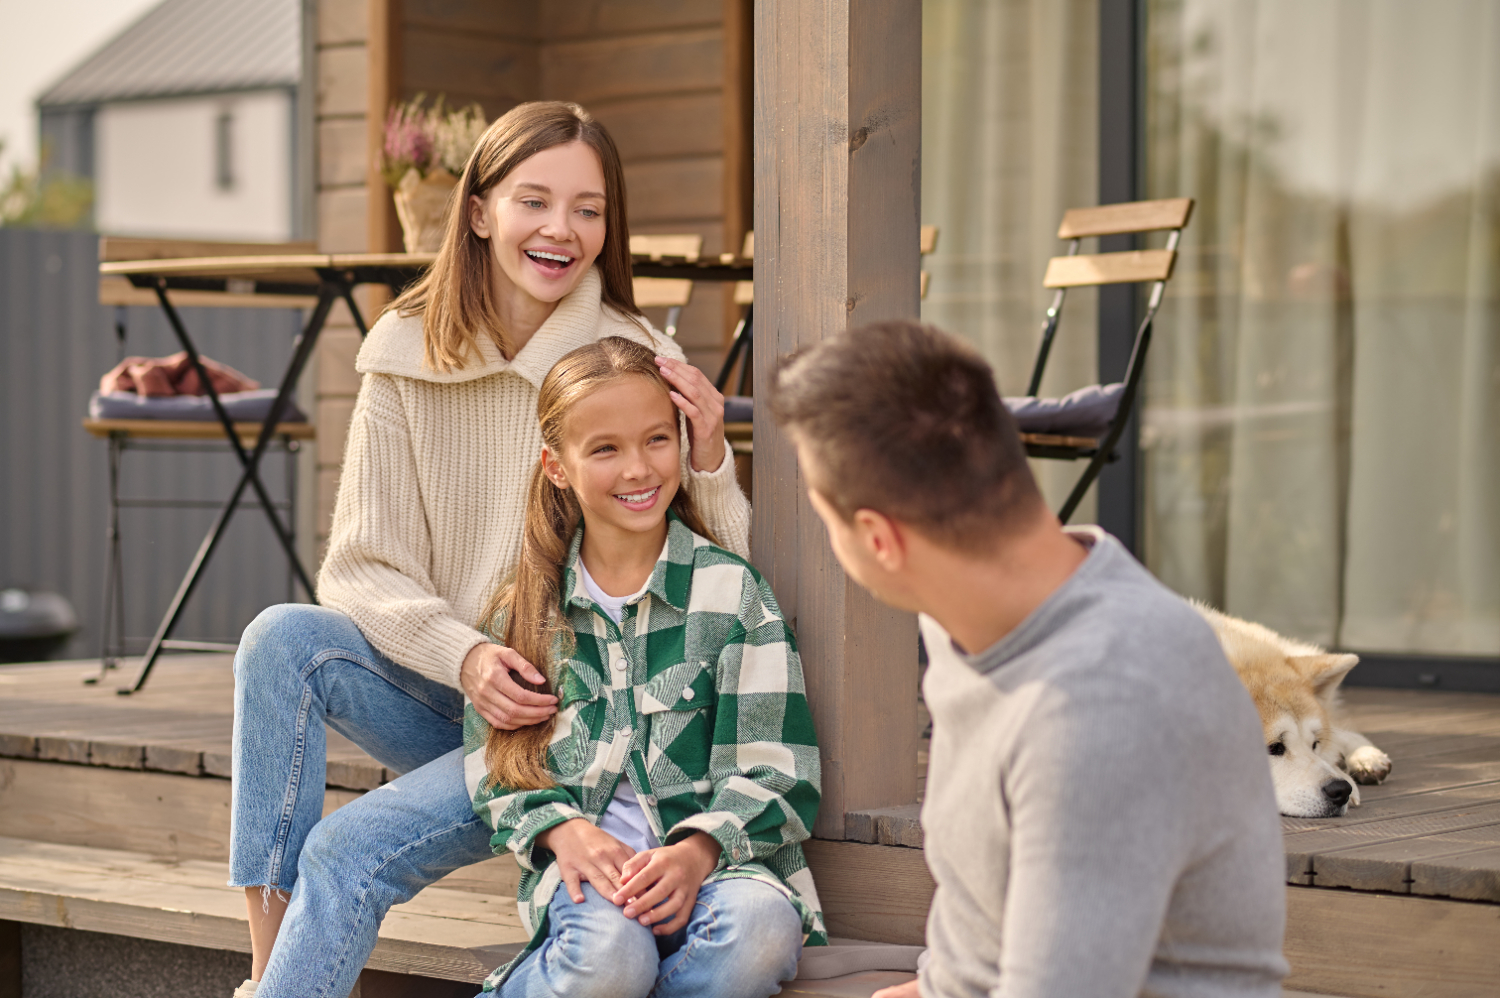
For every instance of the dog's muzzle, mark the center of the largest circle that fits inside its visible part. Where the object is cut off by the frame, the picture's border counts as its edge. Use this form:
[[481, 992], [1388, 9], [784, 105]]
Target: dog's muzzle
[[1338, 792]]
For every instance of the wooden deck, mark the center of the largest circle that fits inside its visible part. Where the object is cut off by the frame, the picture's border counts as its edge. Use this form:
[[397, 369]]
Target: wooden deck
[[1417, 864], [181, 723], [114, 817], [1432, 829]]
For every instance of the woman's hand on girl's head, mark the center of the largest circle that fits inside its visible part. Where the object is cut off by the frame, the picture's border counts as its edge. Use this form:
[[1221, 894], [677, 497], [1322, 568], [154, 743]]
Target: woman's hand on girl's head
[[585, 852], [499, 699], [696, 396], [661, 885]]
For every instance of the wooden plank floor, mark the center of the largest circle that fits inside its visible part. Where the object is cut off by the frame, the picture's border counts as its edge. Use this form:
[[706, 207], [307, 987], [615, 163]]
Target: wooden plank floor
[[1432, 829], [182, 722]]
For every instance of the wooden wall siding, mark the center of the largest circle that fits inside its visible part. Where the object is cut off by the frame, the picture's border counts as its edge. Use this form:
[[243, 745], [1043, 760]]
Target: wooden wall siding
[[343, 221], [469, 67], [837, 136], [610, 18], [653, 73]]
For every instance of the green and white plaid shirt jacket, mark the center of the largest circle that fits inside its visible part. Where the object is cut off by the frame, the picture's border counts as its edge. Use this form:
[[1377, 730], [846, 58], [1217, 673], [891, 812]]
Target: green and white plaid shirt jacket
[[699, 692]]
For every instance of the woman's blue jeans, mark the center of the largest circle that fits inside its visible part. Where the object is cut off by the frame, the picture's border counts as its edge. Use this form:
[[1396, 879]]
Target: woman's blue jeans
[[299, 667], [743, 938]]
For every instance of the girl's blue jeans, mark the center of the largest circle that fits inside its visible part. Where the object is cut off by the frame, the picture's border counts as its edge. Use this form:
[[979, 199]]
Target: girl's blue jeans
[[743, 938], [299, 667]]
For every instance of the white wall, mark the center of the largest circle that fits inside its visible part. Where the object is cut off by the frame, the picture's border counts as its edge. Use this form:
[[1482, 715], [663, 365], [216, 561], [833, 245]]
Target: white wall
[[156, 167]]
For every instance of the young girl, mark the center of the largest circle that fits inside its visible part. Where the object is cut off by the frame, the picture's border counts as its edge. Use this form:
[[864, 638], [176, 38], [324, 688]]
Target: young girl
[[668, 796]]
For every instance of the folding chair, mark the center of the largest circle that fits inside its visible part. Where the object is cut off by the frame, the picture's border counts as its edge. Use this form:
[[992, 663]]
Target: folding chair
[[670, 293], [176, 436], [1067, 429], [742, 346], [737, 408]]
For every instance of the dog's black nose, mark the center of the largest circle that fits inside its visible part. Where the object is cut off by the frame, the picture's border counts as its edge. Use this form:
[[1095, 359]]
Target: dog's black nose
[[1338, 791]]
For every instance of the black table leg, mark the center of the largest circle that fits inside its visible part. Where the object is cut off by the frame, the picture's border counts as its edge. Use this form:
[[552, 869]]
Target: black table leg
[[250, 475]]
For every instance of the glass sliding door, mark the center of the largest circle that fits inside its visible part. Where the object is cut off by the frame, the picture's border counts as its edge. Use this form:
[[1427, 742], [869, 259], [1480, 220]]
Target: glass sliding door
[[1009, 141], [1321, 430]]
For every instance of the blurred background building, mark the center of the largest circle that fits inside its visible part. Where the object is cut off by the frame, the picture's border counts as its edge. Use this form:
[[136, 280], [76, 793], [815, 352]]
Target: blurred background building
[[186, 123]]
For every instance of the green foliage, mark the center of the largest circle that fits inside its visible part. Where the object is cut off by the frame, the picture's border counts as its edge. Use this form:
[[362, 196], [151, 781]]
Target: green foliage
[[54, 201]]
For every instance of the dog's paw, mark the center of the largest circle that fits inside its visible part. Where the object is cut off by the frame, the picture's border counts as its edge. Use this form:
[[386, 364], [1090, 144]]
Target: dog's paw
[[1368, 765]]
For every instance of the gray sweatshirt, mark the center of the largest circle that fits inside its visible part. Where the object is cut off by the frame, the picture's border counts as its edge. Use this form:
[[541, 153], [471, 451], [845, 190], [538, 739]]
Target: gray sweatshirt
[[1099, 816]]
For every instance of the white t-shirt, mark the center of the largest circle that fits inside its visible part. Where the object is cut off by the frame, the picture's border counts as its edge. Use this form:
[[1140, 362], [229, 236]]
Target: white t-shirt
[[625, 819]]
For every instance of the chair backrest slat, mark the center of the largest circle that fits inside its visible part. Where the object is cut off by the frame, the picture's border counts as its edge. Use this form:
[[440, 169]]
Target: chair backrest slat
[[1109, 268], [662, 292], [686, 245], [1118, 219]]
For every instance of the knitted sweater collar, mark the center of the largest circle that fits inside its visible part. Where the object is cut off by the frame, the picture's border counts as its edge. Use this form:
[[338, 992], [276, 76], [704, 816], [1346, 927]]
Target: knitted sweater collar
[[395, 345]]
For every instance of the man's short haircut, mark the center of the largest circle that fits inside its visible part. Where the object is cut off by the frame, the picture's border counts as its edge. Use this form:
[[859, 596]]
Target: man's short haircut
[[903, 419]]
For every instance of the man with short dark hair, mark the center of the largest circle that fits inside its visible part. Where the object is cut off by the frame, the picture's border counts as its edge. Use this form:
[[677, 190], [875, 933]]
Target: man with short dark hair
[[1099, 815]]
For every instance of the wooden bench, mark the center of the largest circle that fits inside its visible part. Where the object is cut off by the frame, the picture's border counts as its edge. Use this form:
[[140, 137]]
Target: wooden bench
[[445, 933]]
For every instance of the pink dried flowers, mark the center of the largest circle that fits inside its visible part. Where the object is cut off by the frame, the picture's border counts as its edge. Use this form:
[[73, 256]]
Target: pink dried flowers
[[428, 139]]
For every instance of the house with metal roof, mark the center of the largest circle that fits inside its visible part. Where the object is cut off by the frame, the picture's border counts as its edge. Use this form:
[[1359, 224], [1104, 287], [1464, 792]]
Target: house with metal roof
[[188, 123]]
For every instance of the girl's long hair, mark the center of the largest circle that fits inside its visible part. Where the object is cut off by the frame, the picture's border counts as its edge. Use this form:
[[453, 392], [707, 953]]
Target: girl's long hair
[[526, 613], [456, 296]]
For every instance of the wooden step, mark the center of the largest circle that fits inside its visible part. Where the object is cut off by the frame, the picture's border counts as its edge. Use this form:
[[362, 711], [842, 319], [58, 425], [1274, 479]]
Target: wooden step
[[441, 933], [448, 934], [168, 816]]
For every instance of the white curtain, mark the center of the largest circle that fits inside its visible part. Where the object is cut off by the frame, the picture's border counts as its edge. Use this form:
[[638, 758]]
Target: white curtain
[[1009, 126], [1321, 426]]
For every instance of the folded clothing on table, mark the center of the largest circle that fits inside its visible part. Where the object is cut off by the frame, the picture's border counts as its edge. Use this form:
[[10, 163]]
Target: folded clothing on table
[[156, 377], [243, 407]]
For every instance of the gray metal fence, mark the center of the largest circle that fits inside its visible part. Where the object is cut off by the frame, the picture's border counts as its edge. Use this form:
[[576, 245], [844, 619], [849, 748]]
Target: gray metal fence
[[56, 340]]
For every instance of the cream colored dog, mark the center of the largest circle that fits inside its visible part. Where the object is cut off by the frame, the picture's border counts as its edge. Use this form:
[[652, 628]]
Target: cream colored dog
[[1315, 758]]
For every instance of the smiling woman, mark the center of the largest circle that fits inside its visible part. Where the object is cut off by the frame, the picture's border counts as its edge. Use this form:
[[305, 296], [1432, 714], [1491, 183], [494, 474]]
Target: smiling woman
[[544, 198], [534, 264]]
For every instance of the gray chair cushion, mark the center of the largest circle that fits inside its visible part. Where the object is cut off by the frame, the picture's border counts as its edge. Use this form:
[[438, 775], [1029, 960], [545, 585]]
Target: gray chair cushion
[[738, 409], [1084, 413], [243, 407]]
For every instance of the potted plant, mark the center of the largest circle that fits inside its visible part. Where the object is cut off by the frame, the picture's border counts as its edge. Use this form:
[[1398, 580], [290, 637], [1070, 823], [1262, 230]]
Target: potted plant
[[425, 150]]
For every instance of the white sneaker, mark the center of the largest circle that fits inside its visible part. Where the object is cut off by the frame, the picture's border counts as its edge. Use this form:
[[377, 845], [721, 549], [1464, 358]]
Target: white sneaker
[[246, 990]]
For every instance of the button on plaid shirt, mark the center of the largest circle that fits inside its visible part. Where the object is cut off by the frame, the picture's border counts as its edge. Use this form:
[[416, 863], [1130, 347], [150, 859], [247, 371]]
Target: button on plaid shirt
[[698, 692]]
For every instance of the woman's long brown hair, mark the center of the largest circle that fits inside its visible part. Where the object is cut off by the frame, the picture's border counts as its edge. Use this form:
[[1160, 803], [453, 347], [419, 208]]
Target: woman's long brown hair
[[528, 608], [456, 297]]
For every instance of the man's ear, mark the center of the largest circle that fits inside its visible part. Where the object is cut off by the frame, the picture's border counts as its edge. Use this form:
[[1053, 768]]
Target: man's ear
[[1325, 672], [478, 221], [553, 469], [882, 537]]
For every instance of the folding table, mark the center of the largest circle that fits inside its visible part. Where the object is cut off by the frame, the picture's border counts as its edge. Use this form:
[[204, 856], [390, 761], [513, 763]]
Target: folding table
[[325, 278]]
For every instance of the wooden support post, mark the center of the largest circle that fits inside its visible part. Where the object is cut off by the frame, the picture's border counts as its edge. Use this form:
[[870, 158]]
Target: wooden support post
[[383, 50], [837, 181]]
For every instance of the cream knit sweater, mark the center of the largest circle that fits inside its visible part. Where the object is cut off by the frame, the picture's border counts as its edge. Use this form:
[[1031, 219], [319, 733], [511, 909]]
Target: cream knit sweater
[[430, 503]]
